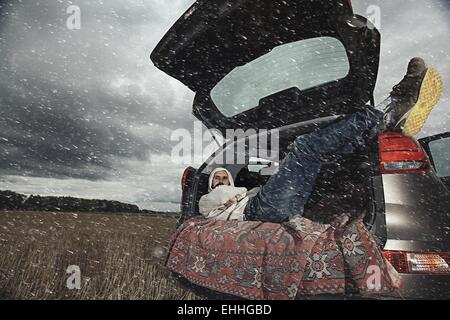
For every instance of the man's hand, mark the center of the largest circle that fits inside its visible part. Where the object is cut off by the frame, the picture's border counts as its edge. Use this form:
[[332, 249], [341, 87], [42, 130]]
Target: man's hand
[[229, 203]]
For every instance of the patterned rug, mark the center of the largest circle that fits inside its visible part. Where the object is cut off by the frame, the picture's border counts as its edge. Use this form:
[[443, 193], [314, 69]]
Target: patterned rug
[[256, 260]]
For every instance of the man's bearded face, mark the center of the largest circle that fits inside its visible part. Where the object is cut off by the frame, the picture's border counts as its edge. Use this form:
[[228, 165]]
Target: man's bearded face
[[220, 179]]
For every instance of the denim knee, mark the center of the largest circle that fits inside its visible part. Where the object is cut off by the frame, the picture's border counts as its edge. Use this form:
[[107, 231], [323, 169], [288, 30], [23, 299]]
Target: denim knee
[[304, 146], [256, 213]]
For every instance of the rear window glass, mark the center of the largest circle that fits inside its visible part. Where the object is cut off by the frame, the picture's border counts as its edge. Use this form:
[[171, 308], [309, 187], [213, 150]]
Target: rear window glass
[[303, 64], [440, 151]]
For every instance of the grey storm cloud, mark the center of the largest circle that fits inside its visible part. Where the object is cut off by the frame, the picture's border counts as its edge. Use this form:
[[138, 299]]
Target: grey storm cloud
[[74, 99], [85, 113]]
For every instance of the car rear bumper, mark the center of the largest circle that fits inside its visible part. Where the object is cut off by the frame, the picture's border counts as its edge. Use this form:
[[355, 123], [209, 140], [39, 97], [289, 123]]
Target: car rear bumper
[[426, 286], [415, 287]]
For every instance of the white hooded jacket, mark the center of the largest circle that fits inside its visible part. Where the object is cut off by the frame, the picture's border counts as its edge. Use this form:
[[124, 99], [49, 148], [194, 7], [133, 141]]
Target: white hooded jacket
[[215, 198]]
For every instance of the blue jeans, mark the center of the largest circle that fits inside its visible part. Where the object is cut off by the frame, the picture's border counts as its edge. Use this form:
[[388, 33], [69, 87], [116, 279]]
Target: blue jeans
[[286, 192]]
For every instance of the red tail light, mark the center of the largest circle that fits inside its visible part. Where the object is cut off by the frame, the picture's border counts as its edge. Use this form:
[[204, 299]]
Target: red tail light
[[419, 263], [184, 177], [400, 154]]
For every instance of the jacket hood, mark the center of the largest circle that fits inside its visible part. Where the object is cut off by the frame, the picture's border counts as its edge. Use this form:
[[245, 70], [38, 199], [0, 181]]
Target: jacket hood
[[211, 176]]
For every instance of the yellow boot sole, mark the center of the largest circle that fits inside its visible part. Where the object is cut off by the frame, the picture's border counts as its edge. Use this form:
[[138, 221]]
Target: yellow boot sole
[[429, 95]]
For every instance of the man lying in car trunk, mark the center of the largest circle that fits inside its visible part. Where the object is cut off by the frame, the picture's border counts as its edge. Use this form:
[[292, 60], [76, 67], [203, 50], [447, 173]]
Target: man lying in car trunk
[[286, 193]]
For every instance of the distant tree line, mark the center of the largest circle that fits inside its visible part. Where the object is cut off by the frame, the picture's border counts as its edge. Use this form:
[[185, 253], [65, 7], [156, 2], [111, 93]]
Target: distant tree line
[[10, 200]]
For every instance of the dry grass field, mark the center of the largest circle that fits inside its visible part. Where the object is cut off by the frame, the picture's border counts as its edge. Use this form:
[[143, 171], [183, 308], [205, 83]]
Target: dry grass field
[[120, 256]]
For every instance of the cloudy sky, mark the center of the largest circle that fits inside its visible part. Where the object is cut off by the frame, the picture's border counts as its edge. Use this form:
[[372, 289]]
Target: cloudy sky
[[85, 113]]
